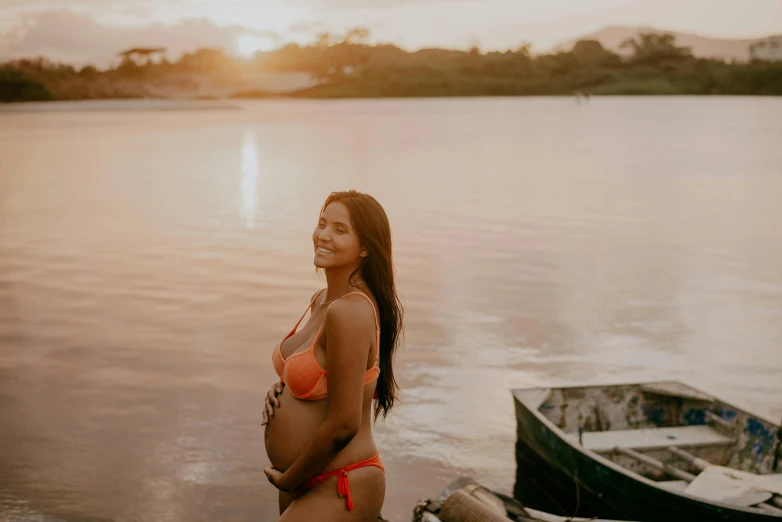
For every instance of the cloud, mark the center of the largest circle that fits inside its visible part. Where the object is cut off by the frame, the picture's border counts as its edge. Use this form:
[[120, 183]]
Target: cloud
[[307, 27], [365, 4], [75, 38], [45, 5], [151, 5]]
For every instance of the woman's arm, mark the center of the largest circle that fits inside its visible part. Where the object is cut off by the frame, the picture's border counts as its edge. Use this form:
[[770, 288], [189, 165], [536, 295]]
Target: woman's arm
[[349, 337]]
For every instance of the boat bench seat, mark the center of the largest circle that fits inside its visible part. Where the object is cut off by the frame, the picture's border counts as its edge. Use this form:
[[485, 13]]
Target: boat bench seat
[[674, 485], [652, 438]]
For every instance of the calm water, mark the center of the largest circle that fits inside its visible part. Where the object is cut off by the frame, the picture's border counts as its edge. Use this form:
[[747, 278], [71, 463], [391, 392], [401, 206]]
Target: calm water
[[150, 259]]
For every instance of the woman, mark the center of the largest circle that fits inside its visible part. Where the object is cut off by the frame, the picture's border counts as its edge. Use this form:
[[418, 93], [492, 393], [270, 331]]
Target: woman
[[319, 417]]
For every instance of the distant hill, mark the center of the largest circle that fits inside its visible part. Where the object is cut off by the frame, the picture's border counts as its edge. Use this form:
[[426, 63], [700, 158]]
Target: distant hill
[[703, 47]]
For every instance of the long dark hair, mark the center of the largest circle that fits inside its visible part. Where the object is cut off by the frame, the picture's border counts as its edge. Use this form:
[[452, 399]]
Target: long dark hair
[[374, 233]]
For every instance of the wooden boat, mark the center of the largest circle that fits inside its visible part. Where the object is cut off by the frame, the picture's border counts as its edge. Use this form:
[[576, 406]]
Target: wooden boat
[[652, 452], [464, 500]]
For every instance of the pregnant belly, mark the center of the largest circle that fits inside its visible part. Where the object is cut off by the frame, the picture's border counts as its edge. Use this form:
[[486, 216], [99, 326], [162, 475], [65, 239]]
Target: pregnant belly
[[292, 428]]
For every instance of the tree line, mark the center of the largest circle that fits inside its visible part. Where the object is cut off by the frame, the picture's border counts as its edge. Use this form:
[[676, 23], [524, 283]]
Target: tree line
[[349, 66]]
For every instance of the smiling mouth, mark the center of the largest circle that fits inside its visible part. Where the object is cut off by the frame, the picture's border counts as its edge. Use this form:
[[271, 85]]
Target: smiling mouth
[[322, 250]]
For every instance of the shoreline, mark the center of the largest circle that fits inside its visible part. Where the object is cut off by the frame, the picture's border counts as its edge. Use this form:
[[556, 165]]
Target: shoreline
[[205, 103]]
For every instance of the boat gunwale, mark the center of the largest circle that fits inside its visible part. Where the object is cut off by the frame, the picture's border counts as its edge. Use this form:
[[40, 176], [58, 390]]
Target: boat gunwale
[[561, 435]]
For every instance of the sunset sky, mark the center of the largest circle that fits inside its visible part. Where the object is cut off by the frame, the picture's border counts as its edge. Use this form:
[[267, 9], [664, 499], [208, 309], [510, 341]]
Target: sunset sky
[[82, 31]]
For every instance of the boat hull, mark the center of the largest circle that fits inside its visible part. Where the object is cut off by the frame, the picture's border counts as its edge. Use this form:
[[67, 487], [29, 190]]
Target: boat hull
[[555, 475]]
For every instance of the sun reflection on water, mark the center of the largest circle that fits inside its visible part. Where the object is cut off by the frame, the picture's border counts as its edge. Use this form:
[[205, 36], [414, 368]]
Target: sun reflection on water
[[250, 173]]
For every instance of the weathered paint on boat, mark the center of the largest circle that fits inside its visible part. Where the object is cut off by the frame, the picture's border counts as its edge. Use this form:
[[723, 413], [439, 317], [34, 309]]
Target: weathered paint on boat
[[555, 474]]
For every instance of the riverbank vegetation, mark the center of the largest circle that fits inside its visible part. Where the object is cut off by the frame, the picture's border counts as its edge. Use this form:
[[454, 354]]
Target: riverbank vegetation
[[349, 67]]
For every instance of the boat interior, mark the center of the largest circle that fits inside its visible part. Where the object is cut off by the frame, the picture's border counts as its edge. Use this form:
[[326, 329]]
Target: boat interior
[[677, 436]]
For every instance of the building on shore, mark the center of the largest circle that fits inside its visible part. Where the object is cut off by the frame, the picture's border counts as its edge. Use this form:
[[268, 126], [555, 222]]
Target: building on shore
[[143, 55], [769, 49]]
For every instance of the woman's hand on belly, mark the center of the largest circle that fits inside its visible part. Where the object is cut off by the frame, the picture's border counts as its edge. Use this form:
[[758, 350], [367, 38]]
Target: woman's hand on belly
[[271, 401], [276, 479]]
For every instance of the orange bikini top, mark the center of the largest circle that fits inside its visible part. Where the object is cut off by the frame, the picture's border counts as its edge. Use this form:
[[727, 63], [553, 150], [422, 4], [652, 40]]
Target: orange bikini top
[[301, 372]]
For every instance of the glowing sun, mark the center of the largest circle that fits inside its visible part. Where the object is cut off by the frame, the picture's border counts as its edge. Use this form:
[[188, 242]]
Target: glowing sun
[[248, 45]]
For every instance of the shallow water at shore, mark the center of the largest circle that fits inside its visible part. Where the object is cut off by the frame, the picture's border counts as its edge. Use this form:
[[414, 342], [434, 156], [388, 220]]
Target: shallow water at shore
[[150, 260]]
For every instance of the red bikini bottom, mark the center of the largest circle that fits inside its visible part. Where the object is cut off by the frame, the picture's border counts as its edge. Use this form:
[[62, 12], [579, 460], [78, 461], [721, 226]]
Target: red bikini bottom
[[343, 485]]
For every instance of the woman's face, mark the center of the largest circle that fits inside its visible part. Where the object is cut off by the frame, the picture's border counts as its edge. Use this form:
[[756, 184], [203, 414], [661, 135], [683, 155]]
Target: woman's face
[[336, 242]]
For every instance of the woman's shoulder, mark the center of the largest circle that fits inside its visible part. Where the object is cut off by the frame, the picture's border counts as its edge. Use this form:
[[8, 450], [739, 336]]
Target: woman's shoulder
[[355, 306], [316, 294]]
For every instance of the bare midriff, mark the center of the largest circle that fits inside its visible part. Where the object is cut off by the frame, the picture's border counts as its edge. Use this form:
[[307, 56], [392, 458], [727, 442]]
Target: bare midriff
[[295, 421]]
